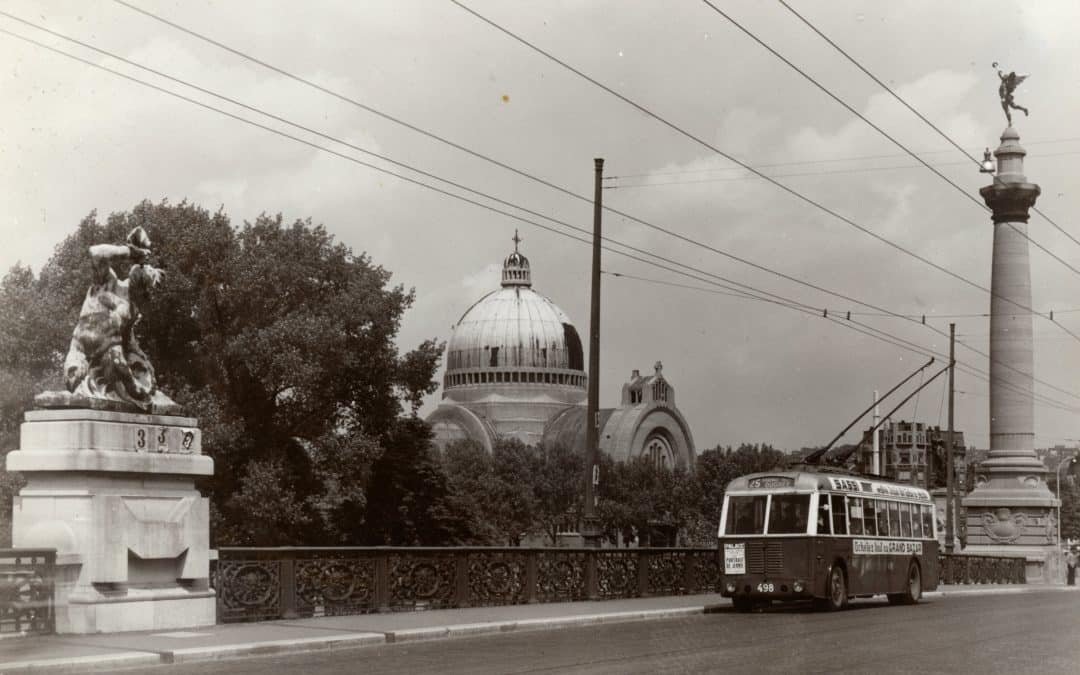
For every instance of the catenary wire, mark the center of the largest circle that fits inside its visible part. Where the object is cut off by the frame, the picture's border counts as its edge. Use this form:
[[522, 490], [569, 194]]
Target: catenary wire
[[903, 102], [492, 160], [891, 339], [698, 140], [834, 160], [497, 162], [729, 157], [801, 174], [782, 301], [881, 131]]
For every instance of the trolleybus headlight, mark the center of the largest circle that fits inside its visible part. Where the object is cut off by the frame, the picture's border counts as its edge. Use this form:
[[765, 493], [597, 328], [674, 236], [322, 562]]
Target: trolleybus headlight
[[799, 586], [730, 587]]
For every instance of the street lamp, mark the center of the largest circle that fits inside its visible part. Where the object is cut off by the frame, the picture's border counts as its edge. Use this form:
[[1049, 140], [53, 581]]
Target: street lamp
[[987, 165], [1062, 464]]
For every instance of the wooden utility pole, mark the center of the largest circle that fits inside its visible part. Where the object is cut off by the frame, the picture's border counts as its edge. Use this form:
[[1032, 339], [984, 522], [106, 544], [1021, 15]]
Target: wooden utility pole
[[590, 527], [949, 473]]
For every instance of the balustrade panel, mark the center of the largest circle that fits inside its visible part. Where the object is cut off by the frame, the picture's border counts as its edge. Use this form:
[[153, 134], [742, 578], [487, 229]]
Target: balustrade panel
[[560, 575], [26, 591], [497, 578], [617, 573]]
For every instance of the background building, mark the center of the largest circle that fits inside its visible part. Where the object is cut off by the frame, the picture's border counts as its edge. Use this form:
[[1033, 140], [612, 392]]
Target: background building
[[515, 368], [905, 447]]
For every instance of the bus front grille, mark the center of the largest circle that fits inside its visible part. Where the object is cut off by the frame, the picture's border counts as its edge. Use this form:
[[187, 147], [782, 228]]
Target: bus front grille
[[762, 557]]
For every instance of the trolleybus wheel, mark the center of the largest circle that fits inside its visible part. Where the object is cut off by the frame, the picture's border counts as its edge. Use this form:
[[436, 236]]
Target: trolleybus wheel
[[837, 594], [913, 592]]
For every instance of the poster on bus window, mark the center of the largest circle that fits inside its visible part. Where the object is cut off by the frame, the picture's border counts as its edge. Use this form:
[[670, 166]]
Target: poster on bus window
[[885, 547], [734, 559]]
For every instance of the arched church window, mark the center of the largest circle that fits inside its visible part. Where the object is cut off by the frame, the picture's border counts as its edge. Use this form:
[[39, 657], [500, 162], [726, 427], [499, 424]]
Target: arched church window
[[659, 452]]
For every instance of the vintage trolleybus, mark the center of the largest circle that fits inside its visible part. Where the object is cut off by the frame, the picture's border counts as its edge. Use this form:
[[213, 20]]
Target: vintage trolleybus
[[825, 537]]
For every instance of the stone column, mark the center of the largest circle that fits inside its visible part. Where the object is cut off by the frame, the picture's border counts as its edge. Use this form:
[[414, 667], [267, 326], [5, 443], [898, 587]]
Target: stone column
[[1011, 511]]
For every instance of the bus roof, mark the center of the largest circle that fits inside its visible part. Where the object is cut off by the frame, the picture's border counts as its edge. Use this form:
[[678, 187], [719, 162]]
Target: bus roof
[[811, 481]]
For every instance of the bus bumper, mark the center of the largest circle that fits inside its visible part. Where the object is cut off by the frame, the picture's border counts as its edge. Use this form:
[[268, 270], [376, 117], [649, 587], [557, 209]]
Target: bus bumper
[[756, 587]]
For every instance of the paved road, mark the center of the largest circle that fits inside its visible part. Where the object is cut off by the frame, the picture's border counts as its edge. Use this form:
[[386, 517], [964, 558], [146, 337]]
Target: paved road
[[1021, 633]]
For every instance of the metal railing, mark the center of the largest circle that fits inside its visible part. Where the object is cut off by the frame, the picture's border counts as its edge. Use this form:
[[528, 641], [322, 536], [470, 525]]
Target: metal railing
[[26, 591], [258, 584], [957, 568]]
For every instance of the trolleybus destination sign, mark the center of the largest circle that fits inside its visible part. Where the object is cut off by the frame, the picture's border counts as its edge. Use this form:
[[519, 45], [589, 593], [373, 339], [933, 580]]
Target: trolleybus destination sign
[[885, 547]]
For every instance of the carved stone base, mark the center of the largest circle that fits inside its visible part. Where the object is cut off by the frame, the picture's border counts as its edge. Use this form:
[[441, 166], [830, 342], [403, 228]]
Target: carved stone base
[[1042, 563], [114, 493]]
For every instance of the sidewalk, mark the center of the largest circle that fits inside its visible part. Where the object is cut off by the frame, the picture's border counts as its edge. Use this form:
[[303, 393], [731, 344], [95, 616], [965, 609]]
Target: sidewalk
[[82, 653]]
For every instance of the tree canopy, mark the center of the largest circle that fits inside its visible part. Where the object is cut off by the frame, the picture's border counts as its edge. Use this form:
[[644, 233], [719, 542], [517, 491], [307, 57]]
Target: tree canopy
[[279, 339]]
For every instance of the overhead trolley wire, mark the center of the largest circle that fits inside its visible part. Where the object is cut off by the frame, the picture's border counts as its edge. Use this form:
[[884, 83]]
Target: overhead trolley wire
[[542, 181], [791, 191], [780, 300], [834, 160], [706, 144], [884, 336], [893, 340], [918, 114], [496, 162], [801, 174], [881, 131]]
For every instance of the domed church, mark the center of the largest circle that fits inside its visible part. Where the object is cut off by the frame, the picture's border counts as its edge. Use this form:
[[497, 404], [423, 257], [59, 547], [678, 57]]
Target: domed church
[[515, 368]]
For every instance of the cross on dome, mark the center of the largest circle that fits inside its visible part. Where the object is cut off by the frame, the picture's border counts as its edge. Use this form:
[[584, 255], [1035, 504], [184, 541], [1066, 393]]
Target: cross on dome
[[517, 240]]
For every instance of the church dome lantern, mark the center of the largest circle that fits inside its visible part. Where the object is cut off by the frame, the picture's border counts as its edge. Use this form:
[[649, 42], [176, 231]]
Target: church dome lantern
[[515, 270]]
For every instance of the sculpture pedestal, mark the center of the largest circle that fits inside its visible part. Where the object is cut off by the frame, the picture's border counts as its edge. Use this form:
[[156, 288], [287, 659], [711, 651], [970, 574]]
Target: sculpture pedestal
[[114, 494], [1016, 520]]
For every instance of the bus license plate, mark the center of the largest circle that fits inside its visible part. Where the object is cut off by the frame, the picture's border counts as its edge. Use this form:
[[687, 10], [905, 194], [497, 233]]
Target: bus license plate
[[766, 588]]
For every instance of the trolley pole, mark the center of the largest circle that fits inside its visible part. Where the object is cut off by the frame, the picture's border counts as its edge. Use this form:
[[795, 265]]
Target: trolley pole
[[590, 527], [950, 479]]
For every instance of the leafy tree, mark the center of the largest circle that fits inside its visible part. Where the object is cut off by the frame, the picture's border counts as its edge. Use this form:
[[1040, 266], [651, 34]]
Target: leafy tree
[[718, 467], [558, 488], [279, 339], [513, 506], [470, 477], [642, 502], [1070, 508], [410, 502]]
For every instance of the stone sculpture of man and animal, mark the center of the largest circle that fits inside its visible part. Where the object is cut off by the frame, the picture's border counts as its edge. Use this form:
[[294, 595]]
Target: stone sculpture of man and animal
[[105, 368]]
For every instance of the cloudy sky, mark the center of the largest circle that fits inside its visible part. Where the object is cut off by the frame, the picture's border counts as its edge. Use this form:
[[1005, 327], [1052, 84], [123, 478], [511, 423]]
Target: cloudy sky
[[74, 139]]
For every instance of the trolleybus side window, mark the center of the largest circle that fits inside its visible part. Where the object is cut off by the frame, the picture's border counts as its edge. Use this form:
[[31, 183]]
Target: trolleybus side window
[[894, 519], [927, 521], [856, 513], [916, 521], [905, 520], [788, 514], [870, 517], [746, 515], [839, 514]]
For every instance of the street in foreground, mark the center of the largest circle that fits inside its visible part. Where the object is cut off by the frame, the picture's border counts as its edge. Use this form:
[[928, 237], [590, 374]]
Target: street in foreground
[[1015, 633]]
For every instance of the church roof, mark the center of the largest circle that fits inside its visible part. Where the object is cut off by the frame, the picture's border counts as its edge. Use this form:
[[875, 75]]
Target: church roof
[[514, 327]]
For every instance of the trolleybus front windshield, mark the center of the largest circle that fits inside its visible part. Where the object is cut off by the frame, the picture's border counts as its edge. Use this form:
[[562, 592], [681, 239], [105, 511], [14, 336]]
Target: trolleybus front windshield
[[787, 514]]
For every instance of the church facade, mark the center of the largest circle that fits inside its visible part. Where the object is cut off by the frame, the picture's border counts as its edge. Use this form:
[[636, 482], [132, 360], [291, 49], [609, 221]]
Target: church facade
[[515, 368]]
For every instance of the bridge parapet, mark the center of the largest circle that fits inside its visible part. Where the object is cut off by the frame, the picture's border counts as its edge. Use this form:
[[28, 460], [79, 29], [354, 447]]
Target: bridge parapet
[[260, 584], [959, 568]]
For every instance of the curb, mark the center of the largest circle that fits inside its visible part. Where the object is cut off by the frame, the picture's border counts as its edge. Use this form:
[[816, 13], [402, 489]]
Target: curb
[[82, 664], [547, 623], [327, 643], [293, 646], [974, 590]]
